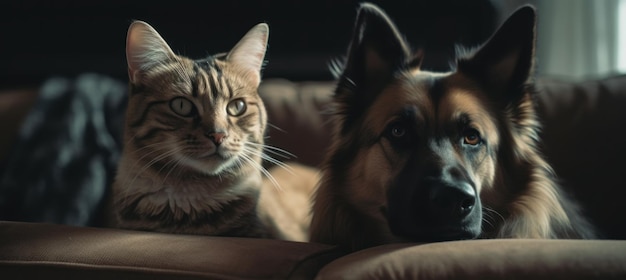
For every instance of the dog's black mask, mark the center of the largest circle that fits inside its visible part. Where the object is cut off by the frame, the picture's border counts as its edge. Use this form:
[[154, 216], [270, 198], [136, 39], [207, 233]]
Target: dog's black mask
[[434, 200]]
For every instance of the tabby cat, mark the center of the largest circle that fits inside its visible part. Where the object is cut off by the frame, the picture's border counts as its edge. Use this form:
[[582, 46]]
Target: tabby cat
[[194, 138]]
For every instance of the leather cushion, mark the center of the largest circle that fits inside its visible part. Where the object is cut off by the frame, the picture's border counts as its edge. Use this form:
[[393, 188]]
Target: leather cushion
[[485, 259], [40, 251]]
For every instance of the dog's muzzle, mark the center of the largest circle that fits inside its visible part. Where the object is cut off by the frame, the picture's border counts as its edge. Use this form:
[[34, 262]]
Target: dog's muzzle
[[435, 210], [451, 202]]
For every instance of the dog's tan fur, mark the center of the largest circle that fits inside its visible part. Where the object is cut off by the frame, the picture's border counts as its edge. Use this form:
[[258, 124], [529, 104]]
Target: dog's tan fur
[[516, 186]]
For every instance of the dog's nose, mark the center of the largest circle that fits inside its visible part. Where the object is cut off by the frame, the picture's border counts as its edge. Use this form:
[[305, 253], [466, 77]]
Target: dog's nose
[[452, 201]]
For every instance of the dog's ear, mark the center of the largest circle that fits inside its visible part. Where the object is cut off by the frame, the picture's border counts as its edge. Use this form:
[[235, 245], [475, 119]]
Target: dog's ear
[[376, 51], [505, 62]]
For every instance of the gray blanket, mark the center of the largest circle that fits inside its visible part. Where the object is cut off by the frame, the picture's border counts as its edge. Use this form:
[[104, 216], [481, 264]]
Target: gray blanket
[[68, 149]]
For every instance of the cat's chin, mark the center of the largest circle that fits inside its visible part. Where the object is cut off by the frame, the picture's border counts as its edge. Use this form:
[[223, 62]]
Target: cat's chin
[[209, 164]]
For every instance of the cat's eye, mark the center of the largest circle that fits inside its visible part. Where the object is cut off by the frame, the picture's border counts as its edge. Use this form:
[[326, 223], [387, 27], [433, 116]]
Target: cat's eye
[[471, 137], [236, 107], [182, 106]]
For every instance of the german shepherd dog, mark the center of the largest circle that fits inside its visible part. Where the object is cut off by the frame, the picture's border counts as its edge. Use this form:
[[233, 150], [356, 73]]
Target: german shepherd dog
[[423, 156]]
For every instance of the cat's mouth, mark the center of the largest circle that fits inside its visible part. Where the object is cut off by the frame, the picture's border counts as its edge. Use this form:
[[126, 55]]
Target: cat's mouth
[[208, 155], [215, 154], [208, 162]]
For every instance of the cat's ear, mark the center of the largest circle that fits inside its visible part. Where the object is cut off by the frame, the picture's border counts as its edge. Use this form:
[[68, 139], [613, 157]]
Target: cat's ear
[[249, 52], [145, 48], [505, 62]]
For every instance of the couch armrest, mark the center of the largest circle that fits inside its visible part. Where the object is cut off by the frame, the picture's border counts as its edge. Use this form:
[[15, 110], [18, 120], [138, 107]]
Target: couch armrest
[[485, 259], [47, 251]]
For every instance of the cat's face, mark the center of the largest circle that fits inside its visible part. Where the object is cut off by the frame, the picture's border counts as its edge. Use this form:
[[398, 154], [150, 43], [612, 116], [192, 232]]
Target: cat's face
[[204, 115]]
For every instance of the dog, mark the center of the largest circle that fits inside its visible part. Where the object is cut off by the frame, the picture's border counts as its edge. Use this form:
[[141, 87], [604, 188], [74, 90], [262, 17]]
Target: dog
[[418, 156]]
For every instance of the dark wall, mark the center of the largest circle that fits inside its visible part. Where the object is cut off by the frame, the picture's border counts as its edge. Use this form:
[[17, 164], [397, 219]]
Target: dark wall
[[39, 39]]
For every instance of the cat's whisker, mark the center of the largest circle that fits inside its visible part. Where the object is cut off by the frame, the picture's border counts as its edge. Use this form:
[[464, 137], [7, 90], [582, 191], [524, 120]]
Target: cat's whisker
[[167, 152], [274, 150], [131, 139], [148, 146], [279, 152], [176, 163], [145, 167], [267, 149], [150, 154], [285, 156], [267, 174], [238, 164], [170, 165], [276, 127], [155, 150], [278, 163], [159, 146], [269, 159]]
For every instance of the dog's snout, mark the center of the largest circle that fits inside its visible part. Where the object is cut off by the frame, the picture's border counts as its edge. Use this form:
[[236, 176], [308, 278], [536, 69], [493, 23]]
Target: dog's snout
[[452, 201]]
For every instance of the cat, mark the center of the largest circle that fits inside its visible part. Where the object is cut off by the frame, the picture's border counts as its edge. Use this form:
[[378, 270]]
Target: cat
[[194, 139]]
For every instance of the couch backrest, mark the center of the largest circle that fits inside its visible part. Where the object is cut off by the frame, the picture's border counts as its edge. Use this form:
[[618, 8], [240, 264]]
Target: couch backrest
[[584, 134]]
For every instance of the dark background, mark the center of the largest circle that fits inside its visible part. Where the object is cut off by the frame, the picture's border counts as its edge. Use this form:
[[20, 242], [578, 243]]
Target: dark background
[[40, 39]]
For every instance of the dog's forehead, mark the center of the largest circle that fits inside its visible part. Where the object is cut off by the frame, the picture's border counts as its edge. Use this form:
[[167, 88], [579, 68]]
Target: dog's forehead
[[434, 98], [460, 96], [402, 94], [407, 92]]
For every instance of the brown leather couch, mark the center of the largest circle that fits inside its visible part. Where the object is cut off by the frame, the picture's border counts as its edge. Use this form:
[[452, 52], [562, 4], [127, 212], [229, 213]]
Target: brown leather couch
[[585, 139]]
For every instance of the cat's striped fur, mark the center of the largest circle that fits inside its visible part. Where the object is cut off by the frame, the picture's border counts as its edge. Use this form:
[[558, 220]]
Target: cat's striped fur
[[194, 134]]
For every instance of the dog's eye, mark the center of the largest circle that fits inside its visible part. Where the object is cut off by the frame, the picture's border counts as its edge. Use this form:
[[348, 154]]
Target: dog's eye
[[471, 137], [399, 134], [397, 130]]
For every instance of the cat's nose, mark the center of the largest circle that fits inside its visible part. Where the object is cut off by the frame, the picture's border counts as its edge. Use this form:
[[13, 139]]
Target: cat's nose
[[217, 137]]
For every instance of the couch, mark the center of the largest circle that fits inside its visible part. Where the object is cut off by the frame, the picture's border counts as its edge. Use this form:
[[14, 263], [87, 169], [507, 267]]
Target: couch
[[585, 140]]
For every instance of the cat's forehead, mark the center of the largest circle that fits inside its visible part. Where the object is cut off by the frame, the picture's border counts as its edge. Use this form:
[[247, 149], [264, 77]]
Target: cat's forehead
[[210, 63], [209, 76]]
